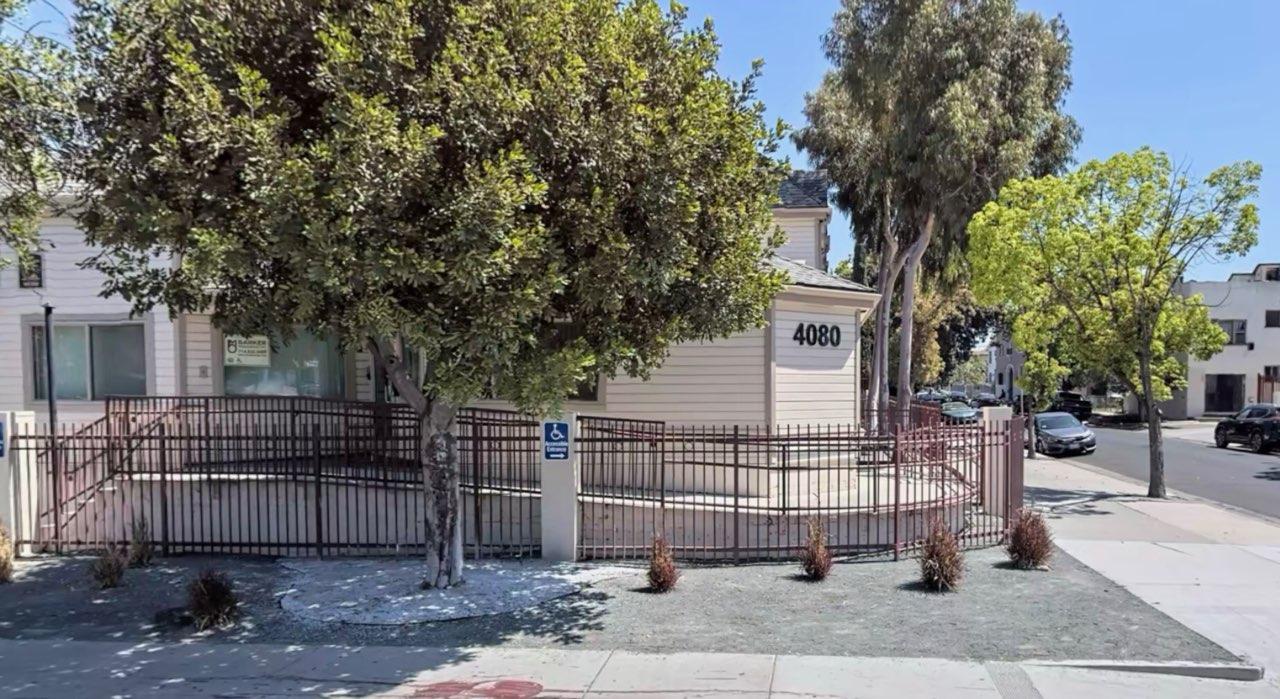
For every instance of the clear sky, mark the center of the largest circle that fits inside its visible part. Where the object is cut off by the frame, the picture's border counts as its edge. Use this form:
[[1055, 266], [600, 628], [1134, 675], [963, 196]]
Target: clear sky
[[1199, 80]]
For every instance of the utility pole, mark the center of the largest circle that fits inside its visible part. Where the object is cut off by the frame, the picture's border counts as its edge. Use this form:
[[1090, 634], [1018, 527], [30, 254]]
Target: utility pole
[[48, 367]]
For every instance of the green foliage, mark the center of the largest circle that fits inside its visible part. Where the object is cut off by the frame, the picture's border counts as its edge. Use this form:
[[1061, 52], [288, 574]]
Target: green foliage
[[466, 177], [936, 104], [36, 79], [971, 371], [1088, 264]]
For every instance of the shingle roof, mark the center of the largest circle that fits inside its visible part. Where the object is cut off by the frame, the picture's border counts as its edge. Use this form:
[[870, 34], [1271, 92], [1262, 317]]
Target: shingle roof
[[804, 189], [801, 274]]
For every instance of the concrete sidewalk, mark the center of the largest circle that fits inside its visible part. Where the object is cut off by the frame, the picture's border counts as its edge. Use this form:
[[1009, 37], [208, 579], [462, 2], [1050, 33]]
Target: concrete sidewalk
[[88, 668], [1214, 569]]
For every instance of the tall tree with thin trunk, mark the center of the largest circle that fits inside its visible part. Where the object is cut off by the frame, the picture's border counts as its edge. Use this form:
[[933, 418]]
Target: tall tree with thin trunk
[[1088, 264], [524, 194], [932, 105]]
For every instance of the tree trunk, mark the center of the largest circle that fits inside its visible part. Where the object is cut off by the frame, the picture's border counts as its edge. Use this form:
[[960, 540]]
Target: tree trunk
[[1155, 439], [443, 495], [441, 482], [906, 326]]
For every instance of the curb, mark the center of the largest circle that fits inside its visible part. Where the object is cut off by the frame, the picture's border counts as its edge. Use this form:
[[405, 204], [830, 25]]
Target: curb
[[1237, 672]]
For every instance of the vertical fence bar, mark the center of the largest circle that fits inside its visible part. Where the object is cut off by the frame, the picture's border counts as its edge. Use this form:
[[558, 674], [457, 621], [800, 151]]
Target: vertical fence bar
[[319, 516], [164, 492], [897, 493]]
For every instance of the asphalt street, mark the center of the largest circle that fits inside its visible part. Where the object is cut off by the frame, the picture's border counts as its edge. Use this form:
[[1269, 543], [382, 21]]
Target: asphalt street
[[1193, 465]]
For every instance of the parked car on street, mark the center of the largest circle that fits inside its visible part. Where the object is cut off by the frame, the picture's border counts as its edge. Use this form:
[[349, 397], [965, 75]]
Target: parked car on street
[[985, 400], [958, 413], [1074, 403], [1059, 433], [931, 395], [1257, 426]]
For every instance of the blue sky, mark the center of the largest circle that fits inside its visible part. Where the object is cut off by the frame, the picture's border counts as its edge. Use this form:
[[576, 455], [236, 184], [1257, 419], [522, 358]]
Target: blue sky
[[1198, 80]]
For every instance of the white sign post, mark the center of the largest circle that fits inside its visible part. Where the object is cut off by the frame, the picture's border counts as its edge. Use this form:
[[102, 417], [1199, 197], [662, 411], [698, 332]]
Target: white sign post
[[251, 350], [18, 481], [560, 476]]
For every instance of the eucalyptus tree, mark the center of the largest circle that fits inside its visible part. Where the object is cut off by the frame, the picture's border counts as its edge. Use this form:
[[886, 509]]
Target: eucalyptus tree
[[524, 193], [930, 107], [1089, 264]]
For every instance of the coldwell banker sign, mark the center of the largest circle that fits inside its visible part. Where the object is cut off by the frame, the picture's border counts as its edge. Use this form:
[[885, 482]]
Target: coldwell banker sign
[[240, 350]]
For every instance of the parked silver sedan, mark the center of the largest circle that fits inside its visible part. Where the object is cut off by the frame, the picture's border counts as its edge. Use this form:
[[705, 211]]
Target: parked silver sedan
[[1059, 434]]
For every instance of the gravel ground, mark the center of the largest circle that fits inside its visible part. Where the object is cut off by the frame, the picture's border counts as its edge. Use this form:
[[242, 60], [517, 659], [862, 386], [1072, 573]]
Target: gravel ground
[[863, 609]]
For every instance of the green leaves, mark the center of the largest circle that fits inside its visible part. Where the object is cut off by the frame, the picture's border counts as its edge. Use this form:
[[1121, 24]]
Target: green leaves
[[1089, 264], [462, 175]]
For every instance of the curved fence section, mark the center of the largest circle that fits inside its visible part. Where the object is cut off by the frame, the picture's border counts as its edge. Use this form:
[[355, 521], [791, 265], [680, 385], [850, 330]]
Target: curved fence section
[[750, 493]]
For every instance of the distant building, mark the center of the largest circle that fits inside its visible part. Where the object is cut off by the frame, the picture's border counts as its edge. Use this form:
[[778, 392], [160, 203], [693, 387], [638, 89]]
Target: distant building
[[1004, 365], [1247, 307]]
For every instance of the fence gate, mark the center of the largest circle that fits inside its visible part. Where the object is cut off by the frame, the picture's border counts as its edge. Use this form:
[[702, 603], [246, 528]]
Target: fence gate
[[275, 476]]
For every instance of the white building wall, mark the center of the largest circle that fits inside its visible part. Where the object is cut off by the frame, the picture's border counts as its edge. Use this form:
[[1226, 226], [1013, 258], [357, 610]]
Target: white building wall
[[806, 232], [1242, 297], [75, 294], [815, 384]]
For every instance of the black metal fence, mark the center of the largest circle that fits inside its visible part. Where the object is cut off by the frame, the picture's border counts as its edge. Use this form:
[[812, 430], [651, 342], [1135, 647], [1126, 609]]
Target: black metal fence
[[266, 475], [750, 493]]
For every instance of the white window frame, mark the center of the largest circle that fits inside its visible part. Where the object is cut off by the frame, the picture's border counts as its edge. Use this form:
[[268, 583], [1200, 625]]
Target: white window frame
[[35, 320]]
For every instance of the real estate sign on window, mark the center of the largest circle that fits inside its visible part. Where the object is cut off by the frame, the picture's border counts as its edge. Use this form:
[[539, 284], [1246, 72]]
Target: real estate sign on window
[[251, 350]]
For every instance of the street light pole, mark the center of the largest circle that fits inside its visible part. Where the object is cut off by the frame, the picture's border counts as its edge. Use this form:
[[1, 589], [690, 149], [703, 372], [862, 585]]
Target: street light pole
[[48, 366]]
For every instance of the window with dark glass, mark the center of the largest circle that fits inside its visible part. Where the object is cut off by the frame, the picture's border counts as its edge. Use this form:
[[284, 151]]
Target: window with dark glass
[[91, 362], [31, 272], [306, 365], [1273, 319], [1235, 330]]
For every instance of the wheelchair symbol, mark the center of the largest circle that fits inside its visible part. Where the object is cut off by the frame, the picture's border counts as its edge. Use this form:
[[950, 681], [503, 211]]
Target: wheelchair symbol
[[556, 435]]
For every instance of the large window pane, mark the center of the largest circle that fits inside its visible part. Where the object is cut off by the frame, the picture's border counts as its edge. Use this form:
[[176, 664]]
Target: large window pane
[[305, 366], [70, 362], [119, 362]]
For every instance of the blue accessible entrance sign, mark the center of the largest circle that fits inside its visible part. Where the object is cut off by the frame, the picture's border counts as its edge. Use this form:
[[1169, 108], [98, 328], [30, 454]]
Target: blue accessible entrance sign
[[555, 441]]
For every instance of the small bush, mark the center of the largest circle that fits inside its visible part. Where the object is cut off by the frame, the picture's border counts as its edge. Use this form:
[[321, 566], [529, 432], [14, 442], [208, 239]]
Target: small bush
[[941, 562], [212, 601], [663, 573], [140, 549], [816, 558], [1030, 543], [6, 556], [108, 568]]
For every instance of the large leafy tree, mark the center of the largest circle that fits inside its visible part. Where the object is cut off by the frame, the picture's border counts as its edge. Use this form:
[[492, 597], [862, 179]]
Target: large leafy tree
[[36, 124], [1088, 265], [932, 105], [525, 193]]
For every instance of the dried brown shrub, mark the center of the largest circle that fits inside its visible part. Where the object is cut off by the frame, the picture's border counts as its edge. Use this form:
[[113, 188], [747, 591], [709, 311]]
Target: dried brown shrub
[[941, 561], [1030, 543], [816, 558], [663, 573], [141, 550], [212, 600], [6, 555], [107, 570]]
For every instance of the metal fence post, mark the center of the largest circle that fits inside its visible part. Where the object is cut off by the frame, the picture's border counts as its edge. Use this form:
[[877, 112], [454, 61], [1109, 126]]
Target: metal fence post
[[315, 461], [897, 493], [164, 492], [736, 468]]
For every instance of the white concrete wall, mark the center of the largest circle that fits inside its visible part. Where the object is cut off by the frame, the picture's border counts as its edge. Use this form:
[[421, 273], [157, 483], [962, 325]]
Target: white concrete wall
[[75, 294], [1243, 297], [815, 384]]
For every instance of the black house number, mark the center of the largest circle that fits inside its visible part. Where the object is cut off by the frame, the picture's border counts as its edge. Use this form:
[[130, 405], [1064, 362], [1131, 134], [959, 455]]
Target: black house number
[[817, 335]]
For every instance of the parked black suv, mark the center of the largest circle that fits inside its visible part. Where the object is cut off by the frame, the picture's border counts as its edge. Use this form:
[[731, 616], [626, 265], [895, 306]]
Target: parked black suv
[[1257, 425], [1074, 403]]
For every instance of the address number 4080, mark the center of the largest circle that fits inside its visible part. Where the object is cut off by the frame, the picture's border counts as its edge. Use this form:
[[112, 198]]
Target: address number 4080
[[817, 335]]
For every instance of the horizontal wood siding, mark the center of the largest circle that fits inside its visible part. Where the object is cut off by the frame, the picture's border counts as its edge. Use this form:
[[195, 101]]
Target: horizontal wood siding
[[815, 384], [801, 244], [75, 294], [199, 355]]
